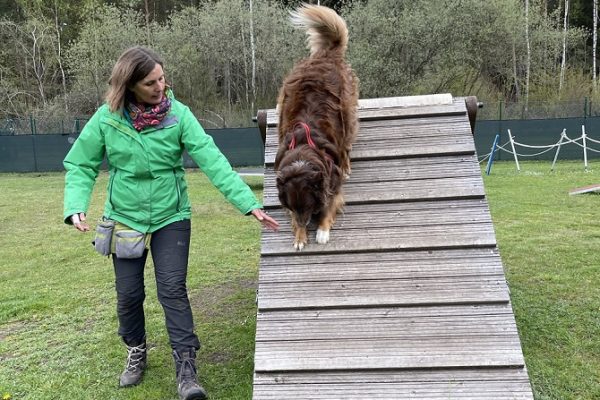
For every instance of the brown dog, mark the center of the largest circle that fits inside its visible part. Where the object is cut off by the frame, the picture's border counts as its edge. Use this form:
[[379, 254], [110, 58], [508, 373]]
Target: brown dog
[[317, 125]]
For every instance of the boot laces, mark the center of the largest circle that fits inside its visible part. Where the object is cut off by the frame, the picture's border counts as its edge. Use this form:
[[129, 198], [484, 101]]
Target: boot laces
[[188, 371], [135, 355]]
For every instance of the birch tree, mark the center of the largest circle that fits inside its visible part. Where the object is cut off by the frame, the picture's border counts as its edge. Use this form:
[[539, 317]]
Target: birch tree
[[594, 46], [253, 53], [563, 63], [528, 63], [58, 27]]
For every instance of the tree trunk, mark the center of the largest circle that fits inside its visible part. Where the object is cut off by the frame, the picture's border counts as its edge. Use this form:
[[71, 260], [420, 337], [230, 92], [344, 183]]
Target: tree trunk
[[515, 91], [38, 65], [594, 46], [147, 14], [528, 64], [58, 28], [246, 77], [253, 50], [563, 64]]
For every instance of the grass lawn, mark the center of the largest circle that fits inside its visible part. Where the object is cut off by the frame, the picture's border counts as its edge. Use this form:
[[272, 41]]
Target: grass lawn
[[57, 304], [550, 247], [58, 310]]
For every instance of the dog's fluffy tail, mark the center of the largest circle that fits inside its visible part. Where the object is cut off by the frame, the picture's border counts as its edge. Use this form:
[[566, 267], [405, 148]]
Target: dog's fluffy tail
[[326, 30]]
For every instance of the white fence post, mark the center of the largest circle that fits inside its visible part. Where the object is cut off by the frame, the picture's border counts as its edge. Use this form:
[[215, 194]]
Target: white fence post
[[583, 136], [512, 145], [562, 136]]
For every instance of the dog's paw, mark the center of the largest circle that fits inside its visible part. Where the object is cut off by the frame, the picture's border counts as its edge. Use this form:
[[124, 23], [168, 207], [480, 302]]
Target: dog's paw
[[299, 245], [322, 236]]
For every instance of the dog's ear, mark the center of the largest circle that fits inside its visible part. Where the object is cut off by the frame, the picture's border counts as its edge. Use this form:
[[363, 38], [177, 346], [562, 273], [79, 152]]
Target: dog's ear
[[315, 177], [280, 178]]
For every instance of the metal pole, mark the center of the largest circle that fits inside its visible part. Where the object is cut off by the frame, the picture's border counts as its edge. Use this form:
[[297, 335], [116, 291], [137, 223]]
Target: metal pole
[[491, 159], [512, 145], [33, 147], [500, 116]]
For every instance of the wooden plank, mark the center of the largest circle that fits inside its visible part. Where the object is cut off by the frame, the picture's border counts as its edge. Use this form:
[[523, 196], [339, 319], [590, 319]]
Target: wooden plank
[[434, 391], [365, 327], [401, 376], [402, 180], [374, 279], [585, 189], [386, 322], [370, 293], [406, 101], [463, 262], [456, 384], [378, 109], [420, 312], [394, 226], [442, 390], [401, 138], [444, 352]]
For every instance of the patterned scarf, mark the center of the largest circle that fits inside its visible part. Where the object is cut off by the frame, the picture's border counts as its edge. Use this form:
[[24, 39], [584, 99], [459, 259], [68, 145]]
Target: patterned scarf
[[142, 116]]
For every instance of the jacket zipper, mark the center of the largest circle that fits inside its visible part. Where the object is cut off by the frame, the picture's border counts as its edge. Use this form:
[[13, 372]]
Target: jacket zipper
[[112, 181], [178, 190]]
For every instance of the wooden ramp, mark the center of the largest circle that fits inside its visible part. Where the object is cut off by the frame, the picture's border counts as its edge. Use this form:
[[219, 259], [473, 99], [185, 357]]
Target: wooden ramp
[[409, 299]]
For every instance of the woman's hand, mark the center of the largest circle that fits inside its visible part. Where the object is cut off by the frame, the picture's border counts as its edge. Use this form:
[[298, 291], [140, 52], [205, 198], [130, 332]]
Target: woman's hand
[[265, 219], [79, 222]]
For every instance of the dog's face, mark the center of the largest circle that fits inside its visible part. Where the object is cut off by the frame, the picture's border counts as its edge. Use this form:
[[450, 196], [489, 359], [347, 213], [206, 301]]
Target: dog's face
[[300, 187]]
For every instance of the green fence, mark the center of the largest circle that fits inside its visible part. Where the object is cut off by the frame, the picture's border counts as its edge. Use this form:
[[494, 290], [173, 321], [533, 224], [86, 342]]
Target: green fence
[[503, 110], [40, 126], [244, 147], [29, 153], [544, 132]]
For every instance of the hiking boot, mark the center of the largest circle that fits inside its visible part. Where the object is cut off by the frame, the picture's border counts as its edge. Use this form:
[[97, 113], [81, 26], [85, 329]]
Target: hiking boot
[[187, 380], [136, 364]]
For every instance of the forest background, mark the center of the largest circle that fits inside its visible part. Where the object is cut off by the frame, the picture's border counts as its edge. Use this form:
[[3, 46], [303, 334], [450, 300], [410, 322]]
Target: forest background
[[227, 58]]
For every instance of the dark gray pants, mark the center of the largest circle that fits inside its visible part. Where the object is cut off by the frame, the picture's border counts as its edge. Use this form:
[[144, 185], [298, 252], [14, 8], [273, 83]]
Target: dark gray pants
[[170, 249]]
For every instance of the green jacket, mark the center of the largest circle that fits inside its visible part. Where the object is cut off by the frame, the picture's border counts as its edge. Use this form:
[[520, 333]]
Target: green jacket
[[147, 189]]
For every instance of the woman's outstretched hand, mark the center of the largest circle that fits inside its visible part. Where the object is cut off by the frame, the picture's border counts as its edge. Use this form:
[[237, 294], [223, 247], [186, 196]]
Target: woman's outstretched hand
[[264, 218], [79, 222]]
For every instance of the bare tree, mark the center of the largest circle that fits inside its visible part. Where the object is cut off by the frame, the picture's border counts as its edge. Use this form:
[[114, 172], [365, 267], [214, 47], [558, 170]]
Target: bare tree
[[594, 46], [528, 63], [147, 17], [58, 28], [253, 50], [38, 64], [563, 64]]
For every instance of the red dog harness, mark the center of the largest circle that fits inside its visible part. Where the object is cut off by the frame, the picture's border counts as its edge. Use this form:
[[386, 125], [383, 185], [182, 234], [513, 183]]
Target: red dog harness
[[310, 142]]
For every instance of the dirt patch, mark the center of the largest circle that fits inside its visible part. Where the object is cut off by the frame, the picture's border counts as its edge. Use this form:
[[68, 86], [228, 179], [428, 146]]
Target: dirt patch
[[214, 301], [219, 357], [11, 329], [8, 330]]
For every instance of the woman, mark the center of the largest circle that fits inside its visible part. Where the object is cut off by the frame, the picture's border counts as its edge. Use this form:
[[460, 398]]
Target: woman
[[142, 130]]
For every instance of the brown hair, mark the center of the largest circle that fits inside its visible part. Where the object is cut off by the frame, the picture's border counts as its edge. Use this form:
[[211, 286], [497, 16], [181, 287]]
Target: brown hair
[[132, 66]]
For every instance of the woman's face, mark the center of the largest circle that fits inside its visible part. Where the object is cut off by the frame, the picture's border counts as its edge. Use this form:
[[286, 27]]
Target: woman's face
[[151, 88]]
